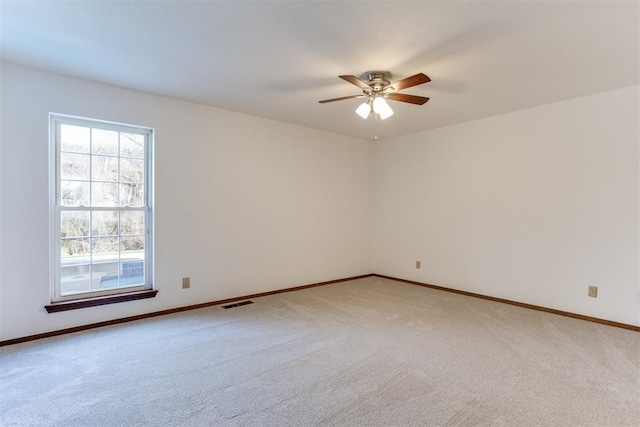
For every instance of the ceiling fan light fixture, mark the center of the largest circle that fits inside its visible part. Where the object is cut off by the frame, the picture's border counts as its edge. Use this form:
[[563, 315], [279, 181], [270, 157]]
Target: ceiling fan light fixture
[[378, 87], [364, 110], [381, 107]]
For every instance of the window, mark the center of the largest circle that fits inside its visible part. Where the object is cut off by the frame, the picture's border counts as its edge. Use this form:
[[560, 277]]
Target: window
[[101, 208]]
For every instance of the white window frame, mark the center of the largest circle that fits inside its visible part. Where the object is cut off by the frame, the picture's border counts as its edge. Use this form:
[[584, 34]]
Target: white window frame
[[55, 120]]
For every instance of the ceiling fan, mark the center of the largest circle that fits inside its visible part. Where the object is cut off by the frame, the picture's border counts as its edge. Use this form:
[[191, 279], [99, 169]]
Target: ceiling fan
[[377, 88]]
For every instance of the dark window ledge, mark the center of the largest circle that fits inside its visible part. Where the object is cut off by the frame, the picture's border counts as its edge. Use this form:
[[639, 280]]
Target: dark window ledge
[[95, 301]]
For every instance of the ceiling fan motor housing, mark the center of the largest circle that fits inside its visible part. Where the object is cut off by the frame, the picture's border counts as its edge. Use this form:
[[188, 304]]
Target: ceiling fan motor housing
[[378, 81]]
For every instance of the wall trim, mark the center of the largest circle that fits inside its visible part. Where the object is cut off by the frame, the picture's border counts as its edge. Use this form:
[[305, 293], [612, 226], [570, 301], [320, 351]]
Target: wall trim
[[170, 311], [516, 303], [313, 285]]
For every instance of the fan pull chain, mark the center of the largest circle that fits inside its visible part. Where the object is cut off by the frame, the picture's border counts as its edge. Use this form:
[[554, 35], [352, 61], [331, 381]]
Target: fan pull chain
[[375, 117]]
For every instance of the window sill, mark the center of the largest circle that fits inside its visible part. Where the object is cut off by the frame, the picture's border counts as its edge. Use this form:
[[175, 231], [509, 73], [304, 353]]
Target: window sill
[[96, 301]]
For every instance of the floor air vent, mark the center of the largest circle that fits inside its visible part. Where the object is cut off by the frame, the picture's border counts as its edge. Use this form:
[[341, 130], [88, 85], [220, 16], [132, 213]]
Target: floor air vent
[[238, 304]]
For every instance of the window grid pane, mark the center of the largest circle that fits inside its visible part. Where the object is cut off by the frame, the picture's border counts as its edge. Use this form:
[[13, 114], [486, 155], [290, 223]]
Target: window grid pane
[[102, 204], [106, 258], [74, 138]]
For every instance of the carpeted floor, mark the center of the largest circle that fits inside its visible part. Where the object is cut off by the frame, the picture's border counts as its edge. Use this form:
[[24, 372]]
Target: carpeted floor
[[370, 352]]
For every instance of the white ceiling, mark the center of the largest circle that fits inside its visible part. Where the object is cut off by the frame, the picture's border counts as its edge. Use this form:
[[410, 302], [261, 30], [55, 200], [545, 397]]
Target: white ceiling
[[276, 59]]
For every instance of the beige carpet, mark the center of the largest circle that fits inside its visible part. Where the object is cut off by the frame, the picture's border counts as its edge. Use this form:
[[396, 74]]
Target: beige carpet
[[370, 352]]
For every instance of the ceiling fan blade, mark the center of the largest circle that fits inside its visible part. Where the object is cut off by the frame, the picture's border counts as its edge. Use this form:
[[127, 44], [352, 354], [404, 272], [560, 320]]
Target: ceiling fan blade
[[418, 79], [403, 97], [356, 81], [341, 99]]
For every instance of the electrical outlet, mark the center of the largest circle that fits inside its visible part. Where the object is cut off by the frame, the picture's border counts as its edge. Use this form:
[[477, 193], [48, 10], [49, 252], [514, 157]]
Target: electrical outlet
[[418, 264], [593, 291], [186, 282]]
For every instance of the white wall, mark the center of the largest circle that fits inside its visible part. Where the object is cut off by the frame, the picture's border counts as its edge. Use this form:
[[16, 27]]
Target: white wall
[[243, 204], [531, 206]]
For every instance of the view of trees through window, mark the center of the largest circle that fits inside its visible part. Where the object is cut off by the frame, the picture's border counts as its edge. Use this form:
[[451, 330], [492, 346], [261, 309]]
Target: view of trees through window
[[101, 185]]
